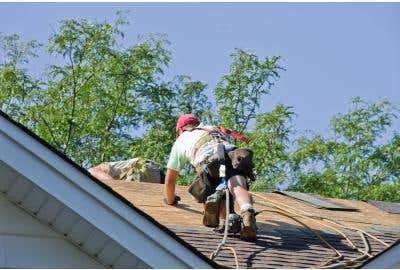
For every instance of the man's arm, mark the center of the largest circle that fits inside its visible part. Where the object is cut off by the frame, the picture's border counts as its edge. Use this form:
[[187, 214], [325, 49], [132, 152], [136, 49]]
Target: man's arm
[[169, 186]]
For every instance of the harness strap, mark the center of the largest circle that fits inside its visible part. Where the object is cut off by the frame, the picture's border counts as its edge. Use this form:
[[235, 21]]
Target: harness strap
[[234, 134], [203, 140], [218, 132]]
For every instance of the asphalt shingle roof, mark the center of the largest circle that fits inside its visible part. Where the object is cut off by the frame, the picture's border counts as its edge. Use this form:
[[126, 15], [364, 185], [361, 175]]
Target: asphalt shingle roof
[[282, 242]]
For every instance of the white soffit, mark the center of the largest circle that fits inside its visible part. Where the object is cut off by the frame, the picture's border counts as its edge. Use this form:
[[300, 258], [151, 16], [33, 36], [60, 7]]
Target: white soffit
[[54, 175]]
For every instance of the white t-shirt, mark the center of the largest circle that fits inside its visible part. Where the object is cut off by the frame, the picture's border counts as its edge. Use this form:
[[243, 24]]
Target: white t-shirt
[[184, 148]]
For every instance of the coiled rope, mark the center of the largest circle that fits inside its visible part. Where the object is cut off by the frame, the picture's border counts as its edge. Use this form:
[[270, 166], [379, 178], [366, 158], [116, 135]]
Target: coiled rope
[[293, 214], [330, 263], [338, 255]]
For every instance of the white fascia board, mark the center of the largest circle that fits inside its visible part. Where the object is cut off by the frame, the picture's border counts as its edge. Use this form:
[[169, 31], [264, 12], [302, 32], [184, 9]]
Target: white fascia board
[[91, 201]]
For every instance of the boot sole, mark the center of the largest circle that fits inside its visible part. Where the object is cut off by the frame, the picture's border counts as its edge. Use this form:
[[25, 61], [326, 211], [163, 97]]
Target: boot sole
[[248, 234], [211, 214]]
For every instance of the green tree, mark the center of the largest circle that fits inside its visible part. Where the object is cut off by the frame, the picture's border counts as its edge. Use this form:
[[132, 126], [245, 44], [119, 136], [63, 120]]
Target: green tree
[[93, 101], [104, 101], [238, 96], [101, 94], [353, 163], [270, 143], [166, 102], [15, 82], [239, 92]]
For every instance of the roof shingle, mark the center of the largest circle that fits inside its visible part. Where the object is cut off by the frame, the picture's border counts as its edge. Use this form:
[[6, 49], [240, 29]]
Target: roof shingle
[[282, 242]]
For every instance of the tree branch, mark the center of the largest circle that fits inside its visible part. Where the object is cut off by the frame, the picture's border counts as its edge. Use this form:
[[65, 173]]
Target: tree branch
[[74, 88], [252, 110]]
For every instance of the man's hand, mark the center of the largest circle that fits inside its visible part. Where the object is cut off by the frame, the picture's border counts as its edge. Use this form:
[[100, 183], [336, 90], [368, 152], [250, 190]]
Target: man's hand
[[176, 200]]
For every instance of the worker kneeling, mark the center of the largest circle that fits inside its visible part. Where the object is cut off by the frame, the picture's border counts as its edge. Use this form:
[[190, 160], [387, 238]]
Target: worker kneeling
[[219, 166]]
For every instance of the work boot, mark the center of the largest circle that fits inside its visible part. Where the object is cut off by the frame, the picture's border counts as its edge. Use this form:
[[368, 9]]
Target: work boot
[[249, 227], [211, 209], [234, 224]]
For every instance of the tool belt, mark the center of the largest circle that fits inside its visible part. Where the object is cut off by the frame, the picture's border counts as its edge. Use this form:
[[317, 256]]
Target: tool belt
[[206, 181], [208, 176]]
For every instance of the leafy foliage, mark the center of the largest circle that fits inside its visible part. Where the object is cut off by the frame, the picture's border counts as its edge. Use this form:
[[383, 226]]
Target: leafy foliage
[[351, 164], [15, 82], [166, 102], [238, 94], [270, 142], [105, 102], [93, 101]]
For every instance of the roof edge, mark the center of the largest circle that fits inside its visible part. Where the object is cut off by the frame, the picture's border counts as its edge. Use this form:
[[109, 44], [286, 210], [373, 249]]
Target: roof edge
[[380, 255]]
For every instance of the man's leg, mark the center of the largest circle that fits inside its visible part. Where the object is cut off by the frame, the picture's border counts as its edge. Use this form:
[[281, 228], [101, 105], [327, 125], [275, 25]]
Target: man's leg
[[213, 199], [238, 188]]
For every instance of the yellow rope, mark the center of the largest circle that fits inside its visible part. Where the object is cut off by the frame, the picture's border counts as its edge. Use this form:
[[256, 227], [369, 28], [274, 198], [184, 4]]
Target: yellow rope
[[364, 253], [283, 209], [330, 227], [357, 229], [338, 255], [311, 216]]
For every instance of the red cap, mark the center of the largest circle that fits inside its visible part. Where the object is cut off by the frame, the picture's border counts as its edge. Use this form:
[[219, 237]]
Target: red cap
[[186, 119]]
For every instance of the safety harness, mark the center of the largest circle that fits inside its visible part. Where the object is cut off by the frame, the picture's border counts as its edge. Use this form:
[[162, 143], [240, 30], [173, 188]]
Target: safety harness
[[212, 169], [222, 133], [234, 134]]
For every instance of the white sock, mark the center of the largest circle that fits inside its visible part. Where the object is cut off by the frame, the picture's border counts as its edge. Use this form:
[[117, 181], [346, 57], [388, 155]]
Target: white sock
[[245, 207]]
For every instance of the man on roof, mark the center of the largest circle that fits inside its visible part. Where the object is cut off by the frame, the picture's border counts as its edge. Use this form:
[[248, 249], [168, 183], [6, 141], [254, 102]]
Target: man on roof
[[219, 165]]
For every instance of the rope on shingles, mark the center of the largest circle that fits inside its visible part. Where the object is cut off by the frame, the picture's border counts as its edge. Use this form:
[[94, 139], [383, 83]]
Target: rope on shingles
[[358, 230], [313, 217], [338, 255], [332, 228], [329, 264], [353, 263], [353, 246], [222, 246]]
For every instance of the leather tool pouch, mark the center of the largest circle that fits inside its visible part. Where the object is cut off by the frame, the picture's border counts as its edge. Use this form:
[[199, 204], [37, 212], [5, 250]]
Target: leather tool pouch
[[200, 189]]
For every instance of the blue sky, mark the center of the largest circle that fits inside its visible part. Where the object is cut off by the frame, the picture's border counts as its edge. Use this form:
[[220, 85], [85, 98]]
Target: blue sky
[[332, 51]]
